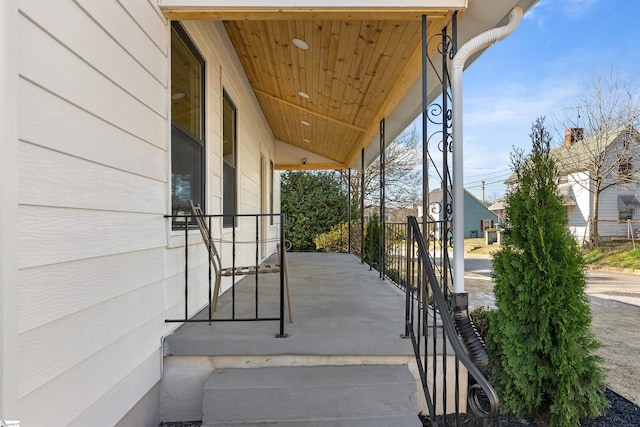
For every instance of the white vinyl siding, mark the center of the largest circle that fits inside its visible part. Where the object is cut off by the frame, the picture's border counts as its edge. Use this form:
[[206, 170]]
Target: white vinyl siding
[[578, 214], [99, 269], [92, 188]]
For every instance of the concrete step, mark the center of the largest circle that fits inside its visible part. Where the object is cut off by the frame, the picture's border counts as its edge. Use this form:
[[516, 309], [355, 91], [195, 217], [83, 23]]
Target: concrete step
[[349, 396]]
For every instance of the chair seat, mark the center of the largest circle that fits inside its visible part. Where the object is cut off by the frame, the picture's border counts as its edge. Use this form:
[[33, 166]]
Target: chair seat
[[245, 271]]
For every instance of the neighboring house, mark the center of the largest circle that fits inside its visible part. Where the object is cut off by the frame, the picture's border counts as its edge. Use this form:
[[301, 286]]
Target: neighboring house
[[477, 217], [392, 215], [499, 208], [619, 200], [112, 116]]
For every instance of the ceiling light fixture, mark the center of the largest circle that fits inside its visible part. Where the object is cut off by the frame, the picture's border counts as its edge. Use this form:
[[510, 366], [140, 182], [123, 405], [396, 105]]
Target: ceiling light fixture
[[304, 122], [303, 95], [299, 43]]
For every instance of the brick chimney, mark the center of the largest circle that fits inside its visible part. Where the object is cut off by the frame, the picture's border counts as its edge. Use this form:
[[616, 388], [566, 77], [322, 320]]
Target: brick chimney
[[572, 135]]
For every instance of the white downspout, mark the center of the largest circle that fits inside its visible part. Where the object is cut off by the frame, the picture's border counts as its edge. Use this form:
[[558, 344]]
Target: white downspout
[[480, 41]]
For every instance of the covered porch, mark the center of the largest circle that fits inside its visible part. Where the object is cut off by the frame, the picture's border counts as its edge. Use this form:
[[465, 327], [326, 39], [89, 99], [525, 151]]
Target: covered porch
[[340, 307], [346, 320]]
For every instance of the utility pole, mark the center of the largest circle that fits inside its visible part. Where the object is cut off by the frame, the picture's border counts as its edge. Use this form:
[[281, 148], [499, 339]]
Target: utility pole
[[483, 202]]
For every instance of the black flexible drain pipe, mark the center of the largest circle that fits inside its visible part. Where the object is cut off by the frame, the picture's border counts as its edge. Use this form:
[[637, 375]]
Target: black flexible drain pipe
[[475, 346]]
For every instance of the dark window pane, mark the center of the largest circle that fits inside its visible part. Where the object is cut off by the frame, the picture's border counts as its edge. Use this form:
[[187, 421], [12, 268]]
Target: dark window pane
[[229, 188], [229, 193], [187, 123], [186, 85], [186, 170]]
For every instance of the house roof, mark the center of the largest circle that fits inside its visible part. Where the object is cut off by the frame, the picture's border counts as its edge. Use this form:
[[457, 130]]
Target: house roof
[[436, 196], [578, 156], [362, 63], [565, 191], [499, 205]]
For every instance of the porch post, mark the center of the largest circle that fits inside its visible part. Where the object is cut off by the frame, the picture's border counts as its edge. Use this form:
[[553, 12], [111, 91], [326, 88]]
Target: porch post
[[349, 211], [425, 147], [362, 206], [447, 204], [382, 195]]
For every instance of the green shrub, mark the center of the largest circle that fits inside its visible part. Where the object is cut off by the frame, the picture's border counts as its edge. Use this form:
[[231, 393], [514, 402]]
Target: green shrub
[[480, 318], [337, 239], [540, 340], [372, 241]]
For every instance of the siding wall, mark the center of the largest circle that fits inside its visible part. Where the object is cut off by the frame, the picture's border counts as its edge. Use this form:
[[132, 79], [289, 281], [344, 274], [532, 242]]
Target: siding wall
[[474, 212], [98, 268], [92, 192], [608, 209], [579, 214]]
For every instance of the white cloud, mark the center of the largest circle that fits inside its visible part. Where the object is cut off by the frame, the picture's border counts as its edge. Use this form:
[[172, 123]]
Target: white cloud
[[578, 8], [537, 14]]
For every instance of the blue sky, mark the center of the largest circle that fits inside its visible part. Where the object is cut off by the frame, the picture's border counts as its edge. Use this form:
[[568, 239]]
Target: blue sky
[[539, 71]]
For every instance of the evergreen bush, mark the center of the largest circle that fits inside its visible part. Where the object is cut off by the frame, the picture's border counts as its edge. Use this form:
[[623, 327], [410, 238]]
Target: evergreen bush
[[372, 241], [540, 337]]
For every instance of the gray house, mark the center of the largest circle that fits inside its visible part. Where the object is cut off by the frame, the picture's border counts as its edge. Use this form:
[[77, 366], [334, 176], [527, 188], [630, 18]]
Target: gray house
[[477, 217]]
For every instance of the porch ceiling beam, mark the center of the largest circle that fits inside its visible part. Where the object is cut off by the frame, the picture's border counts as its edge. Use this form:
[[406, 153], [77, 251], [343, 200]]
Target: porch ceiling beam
[[176, 12], [316, 166], [306, 110], [400, 88]]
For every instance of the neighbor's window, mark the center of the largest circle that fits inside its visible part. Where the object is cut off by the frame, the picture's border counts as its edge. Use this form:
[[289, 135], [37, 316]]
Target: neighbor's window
[[625, 214], [626, 204], [187, 124], [624, 170], [229, 159]]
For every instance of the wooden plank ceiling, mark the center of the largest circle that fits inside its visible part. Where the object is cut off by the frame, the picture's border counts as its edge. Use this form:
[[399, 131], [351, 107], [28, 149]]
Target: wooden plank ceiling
[[328, 99]]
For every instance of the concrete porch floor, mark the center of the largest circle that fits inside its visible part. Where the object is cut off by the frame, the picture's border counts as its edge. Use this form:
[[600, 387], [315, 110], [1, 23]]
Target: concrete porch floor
[[340, 307], [346, 320]]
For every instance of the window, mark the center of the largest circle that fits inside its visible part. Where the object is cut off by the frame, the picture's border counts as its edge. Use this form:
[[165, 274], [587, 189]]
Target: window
[[486, 224], [271, 203], [626, 205], [229, 159], [187, 124], [625, 214], [624, 170]]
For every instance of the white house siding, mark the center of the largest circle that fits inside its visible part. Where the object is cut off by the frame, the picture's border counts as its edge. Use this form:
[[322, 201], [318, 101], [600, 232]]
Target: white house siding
[[92, 192], [609, 211], [8, 210], [578, 215]]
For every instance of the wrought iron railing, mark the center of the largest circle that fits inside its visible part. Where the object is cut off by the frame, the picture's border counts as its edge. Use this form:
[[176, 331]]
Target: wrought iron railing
[[245, 224], [429, 323]]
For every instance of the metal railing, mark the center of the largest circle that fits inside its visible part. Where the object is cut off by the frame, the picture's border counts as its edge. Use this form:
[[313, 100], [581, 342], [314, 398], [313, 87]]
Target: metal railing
[[244, 222], [430, 324]]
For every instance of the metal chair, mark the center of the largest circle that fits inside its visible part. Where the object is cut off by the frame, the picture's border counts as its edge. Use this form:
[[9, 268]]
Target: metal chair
[[214, 258]]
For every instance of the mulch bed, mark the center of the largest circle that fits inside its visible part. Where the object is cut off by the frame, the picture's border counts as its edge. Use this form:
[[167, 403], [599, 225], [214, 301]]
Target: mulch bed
[[621, 413]]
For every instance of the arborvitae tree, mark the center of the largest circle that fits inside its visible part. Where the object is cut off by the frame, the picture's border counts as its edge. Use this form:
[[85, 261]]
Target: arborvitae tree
[[372, 241], [540, 337]]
